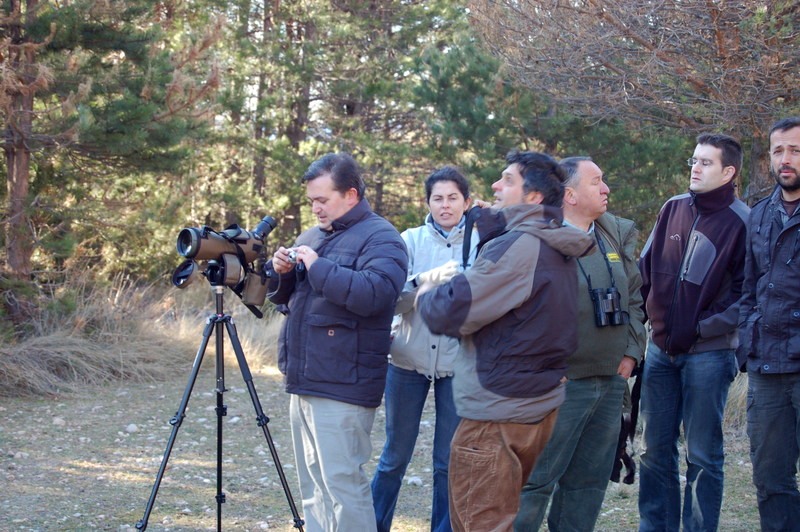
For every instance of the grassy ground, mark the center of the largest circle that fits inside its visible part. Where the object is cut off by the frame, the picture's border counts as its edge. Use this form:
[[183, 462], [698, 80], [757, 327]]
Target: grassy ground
[[82, 449], [78, 463]]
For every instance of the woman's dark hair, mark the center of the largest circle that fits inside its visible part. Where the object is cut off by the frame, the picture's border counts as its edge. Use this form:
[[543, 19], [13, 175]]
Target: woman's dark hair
[[446, 173]]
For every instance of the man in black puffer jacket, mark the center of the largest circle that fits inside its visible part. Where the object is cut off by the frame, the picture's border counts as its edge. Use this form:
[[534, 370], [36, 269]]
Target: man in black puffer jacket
[[337, 286]]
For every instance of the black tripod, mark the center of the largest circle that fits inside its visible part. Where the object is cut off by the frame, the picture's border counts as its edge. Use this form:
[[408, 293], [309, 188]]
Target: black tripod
[[216, 323]]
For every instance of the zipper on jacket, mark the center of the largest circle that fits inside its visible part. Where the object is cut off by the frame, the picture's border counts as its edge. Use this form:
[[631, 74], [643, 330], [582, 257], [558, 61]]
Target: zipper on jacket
[[686, 260], [685, 255]]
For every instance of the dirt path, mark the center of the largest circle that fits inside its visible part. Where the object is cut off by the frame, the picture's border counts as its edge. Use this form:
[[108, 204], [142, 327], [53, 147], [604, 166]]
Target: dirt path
[[89, 463], [83, 463]]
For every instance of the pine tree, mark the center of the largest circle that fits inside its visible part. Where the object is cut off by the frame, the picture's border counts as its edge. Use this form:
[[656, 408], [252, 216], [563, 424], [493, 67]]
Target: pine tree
[[92, 92]]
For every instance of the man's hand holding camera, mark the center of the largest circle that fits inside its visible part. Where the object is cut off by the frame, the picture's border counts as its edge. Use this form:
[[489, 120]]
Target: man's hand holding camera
[[284, 259]]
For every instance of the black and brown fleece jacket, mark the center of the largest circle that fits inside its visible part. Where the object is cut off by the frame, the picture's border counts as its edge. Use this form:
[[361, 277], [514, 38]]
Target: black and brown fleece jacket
[[692, 271]]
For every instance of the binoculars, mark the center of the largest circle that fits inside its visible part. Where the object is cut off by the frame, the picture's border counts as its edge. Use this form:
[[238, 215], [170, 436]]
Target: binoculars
[[607, 307]]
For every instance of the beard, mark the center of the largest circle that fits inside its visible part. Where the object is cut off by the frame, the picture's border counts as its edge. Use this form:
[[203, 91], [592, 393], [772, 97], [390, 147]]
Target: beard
[[789, 184]]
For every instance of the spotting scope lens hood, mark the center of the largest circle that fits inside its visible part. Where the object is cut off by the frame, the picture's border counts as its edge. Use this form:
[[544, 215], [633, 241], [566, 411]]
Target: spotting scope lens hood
[[202, 243]]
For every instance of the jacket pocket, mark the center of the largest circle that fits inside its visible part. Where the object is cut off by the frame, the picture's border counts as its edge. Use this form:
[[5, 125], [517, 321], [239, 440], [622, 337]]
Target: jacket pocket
[[794, 334], [331, 349], [700, 256]]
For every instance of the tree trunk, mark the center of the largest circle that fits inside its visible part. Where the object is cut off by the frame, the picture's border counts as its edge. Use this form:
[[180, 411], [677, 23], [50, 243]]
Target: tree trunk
[[19, 246], [761, 182], [19, 240]]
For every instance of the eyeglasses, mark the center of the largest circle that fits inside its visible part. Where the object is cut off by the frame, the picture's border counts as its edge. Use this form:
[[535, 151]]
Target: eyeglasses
[[691, 161]]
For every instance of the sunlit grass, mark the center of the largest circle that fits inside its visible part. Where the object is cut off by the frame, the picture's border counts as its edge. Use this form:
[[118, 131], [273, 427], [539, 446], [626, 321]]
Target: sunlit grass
[[125, 332]]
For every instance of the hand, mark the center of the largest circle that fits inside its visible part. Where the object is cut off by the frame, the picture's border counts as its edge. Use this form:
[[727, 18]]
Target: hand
[[626, 367], [280, 261], [439, 275], [306, 256], [482, 204]]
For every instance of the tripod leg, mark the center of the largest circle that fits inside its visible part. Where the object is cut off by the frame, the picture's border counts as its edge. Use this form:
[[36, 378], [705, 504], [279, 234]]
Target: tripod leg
[[262, 419], [176, 421], [221, 409]]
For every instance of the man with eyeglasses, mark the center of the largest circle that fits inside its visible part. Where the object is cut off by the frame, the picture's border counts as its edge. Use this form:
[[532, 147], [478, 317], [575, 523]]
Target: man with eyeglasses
[[692, 272]]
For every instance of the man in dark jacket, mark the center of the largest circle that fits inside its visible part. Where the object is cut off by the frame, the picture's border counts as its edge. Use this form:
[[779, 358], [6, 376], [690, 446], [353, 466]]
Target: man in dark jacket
[[515, 311], [692, 270], [769, 328], [337, 286]]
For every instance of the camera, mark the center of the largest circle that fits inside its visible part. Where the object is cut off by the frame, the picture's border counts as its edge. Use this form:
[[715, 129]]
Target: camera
[[292, 256], [607, 307], [230, 256]]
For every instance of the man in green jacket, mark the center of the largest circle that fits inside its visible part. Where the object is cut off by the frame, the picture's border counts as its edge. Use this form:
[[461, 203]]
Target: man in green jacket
[[575, 466]]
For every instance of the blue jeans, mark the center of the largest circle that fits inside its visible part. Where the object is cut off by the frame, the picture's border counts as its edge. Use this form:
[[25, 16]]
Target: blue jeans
[[773, 425], [404, 398], [576, 463], [692, 389]]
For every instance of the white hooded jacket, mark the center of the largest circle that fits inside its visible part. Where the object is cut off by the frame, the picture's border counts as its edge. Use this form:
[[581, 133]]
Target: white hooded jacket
[[414, 346]]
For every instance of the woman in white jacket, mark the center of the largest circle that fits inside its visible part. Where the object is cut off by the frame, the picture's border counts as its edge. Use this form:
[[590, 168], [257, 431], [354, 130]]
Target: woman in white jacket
[[419, 358]]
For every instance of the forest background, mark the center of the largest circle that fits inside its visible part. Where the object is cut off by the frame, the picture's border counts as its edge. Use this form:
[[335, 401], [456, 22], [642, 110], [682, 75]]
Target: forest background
[[127, 120]]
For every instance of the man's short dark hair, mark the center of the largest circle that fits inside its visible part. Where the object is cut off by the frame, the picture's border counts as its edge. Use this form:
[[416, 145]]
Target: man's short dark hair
[[570, 167], [731, 149], [540, 173], [344, 171], [785, 124], [446, 173]]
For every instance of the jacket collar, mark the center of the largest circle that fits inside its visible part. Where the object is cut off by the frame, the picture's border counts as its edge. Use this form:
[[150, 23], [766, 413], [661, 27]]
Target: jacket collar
[[776, 198], [778, 211], [714, 200], [493, 222], [541, 220], [436, 228], [351, 217]]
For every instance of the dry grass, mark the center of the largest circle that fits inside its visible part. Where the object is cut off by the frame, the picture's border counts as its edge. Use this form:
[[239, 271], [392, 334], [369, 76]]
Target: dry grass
[[736, 408], [92, 336], [124, 332]]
